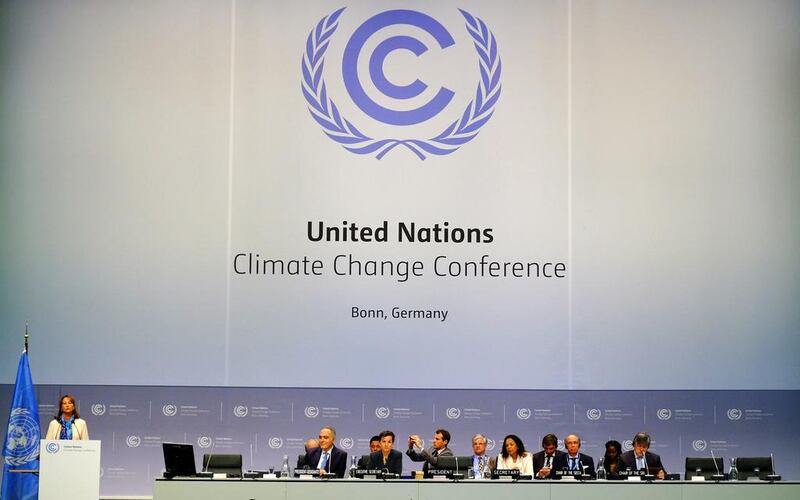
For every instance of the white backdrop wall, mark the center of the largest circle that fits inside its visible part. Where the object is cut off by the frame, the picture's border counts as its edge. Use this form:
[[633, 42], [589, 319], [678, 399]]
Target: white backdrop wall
[[651, 148]]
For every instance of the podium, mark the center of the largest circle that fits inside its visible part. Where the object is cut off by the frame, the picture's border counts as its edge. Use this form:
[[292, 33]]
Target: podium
[[69, 469]]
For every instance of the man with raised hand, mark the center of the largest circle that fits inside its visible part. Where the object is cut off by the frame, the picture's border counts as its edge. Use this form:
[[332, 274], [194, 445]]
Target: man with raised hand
[[417, 452]]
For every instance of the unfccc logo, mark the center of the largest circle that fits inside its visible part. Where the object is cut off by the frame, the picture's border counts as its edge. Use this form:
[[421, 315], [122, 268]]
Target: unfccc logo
[[467, 123], [734, 414], [346, 443], [133, 441], [523, 413], [52, 447], [490, 444], [275, 443], [382, 412], [98, 409], [627, 445], [594, 414], [240, 411], [699, 444], [664, 414], [204, 442], [453, 413], [169, 410], [311, 411]]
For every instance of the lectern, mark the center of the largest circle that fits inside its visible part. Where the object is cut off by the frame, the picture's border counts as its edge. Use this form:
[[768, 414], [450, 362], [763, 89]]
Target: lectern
[[69, 469]]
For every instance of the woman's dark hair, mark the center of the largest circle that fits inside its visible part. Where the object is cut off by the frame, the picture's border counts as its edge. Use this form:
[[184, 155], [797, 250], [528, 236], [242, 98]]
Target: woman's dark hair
[[517, 441], [74, 412], [615, 444]]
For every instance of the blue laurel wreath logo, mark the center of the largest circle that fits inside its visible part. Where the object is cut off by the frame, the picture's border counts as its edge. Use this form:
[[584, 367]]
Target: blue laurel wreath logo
[[476, 115]]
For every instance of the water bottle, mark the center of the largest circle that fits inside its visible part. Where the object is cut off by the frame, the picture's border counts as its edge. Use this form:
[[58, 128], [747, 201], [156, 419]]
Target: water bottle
[[601, 470], [733, 473], [285, 467], [353, 467]]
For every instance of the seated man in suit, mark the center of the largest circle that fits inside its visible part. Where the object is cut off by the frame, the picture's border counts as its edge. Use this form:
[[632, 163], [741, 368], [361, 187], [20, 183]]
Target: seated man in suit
[[387, 458], [573, 459], [374, 445], [441, 438], [641, 459], [328, 458], [543, 461], [482, 465], [311, 443]]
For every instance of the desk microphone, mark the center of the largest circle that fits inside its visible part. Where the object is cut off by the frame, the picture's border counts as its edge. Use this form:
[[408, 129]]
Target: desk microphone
[[774, 475], [647, 476], [717, 476], [210, 456]]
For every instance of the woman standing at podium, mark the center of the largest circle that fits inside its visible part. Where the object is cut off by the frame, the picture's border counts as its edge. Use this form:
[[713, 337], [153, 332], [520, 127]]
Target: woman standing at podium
[[68, 424]]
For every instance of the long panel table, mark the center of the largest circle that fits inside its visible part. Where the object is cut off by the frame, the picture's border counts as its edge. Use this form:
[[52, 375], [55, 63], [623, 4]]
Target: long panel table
[[298, 489]]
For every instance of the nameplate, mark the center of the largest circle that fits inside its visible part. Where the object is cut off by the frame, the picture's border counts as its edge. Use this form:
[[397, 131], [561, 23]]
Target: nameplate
[[698, 478], [569, 473], [631, 473], [368, 472], [440, 472], [506, 473], [306, 472]]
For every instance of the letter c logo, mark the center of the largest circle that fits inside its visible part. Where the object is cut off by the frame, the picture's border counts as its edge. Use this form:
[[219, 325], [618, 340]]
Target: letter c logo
[[377, 59]]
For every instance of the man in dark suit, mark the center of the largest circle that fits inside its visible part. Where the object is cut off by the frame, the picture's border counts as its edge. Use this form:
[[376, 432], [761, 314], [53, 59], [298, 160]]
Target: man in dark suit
[[417, 453], [641, 459], [387, 458], [544, 461], [328, 458], [573, 459]]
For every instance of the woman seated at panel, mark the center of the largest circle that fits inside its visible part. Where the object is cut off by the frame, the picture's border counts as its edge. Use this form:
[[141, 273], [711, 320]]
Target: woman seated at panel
[[514, 456], [67, 424], [611, 461], [386, 458]]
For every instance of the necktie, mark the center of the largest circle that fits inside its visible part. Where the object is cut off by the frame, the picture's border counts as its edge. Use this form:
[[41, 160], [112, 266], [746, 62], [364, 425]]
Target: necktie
[[572, 464], [435, 453], [548, 463], [324, 464]]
